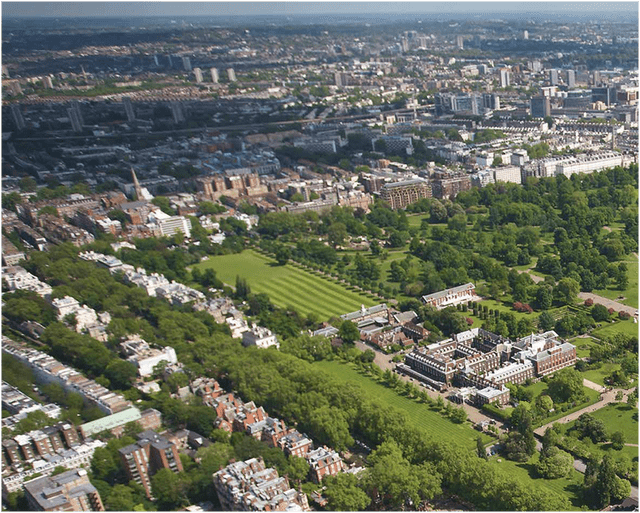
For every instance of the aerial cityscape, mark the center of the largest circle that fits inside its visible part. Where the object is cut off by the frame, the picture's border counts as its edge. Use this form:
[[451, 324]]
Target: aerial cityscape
[[303, 256]]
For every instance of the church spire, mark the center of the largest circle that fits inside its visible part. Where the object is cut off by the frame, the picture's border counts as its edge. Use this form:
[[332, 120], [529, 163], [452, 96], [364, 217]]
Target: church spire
[[136, 185]]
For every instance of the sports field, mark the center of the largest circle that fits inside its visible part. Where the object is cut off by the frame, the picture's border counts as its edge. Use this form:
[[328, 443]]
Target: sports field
[[437, 426], [287, 285]]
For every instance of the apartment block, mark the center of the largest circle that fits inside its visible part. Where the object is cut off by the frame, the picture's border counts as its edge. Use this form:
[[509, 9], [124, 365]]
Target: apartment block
[[401, 194], [68, 491], [149, 454]]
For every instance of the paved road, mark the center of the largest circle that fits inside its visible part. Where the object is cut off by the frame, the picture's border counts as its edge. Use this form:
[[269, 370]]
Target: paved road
[[609, 303], [593, 386]]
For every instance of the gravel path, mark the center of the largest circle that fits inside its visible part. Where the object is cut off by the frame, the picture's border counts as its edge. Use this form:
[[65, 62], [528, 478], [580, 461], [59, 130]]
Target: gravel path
[[609, 303]]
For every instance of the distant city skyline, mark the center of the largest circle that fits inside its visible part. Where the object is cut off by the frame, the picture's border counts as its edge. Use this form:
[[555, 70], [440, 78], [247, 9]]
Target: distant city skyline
[[187, 9]]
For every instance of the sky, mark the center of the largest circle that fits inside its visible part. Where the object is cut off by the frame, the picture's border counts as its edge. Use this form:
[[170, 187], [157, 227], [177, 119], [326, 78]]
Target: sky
[[130, 9]]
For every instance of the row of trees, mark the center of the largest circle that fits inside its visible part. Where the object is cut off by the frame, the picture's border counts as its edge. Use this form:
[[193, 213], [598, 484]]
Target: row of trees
[[337, 414]]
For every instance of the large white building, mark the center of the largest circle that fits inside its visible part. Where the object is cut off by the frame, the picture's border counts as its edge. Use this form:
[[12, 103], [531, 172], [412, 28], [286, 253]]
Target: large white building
[[259, 336], [589, 163], [144, 357], [18, 278], [507, 174], [451, 297], [165, 225]]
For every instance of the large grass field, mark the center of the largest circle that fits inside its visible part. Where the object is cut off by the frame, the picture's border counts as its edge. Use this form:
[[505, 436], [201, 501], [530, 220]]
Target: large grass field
[[620, 417], [626, 327], [616, 417], [287, 285], [420, 415], [569, 486]]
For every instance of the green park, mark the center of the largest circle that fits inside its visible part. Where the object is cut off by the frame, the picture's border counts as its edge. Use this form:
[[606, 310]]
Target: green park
[[288, 285]]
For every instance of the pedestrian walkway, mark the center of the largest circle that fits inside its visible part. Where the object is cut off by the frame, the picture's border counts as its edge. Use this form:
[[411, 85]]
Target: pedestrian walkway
[[606, 398], [609, 303]]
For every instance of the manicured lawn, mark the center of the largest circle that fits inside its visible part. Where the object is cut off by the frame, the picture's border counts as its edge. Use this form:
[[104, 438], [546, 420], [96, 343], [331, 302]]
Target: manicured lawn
[[598, 375], [631, 292], [569, 486], [385, 265], [496, 305], [537, 388], [287, 285], [583, 345], [416, 219], [420, 415], [626, 327], [620, 417]]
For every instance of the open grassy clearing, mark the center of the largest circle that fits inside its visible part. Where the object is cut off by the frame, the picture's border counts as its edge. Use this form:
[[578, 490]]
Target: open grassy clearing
[[287, 285], [534, 261], [620, 417], [420, 415], [598, 375], [631, 292], [627, 327], [415, 220], [569, 486]]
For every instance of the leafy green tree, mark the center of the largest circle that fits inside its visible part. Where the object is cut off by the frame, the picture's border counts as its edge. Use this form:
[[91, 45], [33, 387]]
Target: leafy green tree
[[9, 201], [164, 204], [480, 449], [543, 404], [34, 420], [103, 465], [565, 386], [242, 289], [297, 468], [600, 313], [167, 489], [337, 234], [349, 332], [283, 254], [545, 321], [554, 464], [28, 184], [618, 440], [343, 493], [121, 373], [121, 498], [59, 470], [395, 480], [458, 415], [602, 484], [567, 290], [588, 426]]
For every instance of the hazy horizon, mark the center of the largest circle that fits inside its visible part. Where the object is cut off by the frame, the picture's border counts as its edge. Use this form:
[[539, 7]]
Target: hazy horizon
[[223, 9]]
